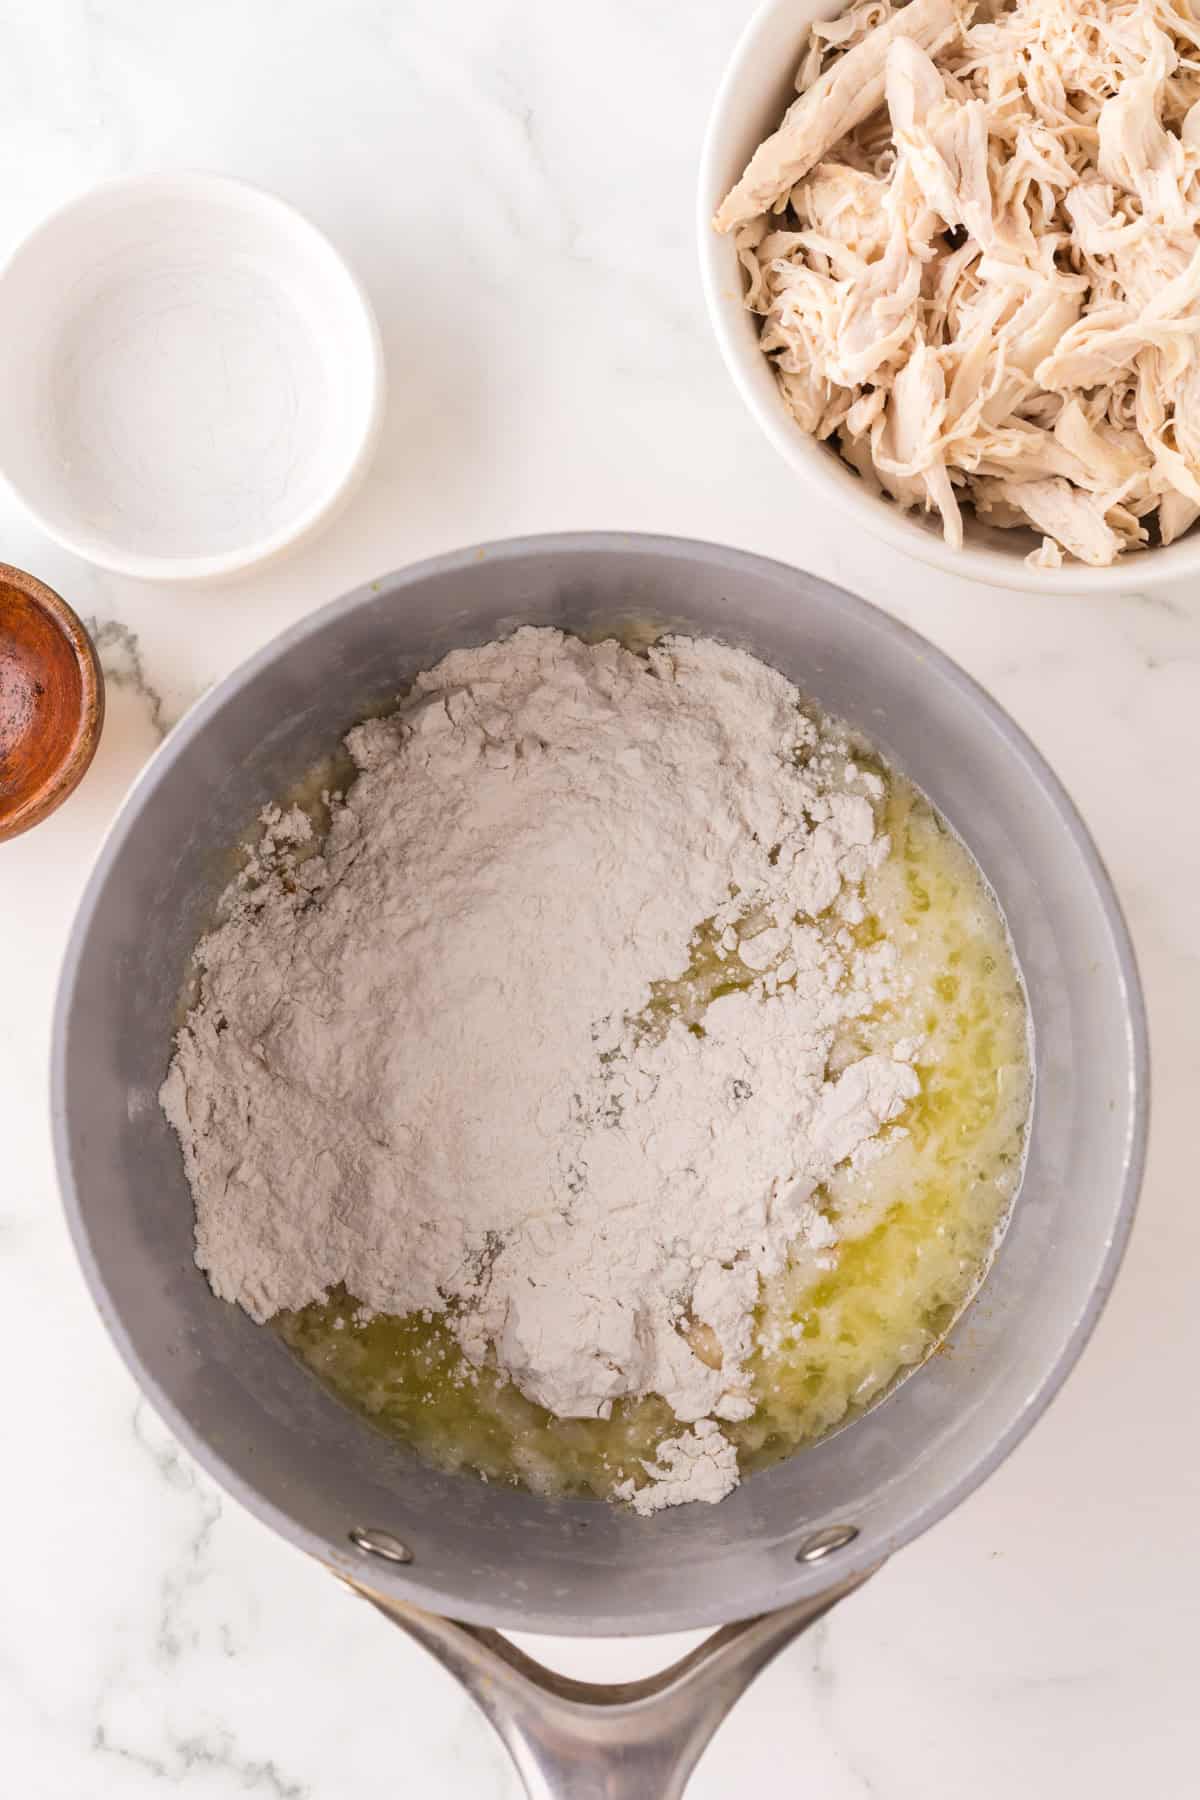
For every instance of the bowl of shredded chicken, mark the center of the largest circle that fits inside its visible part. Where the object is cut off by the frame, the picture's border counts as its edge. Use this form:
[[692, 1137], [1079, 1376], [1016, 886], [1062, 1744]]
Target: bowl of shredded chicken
[[953, 256]]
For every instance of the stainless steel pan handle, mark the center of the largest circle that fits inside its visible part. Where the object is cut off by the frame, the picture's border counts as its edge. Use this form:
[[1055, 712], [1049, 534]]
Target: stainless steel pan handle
[[633, 1740]]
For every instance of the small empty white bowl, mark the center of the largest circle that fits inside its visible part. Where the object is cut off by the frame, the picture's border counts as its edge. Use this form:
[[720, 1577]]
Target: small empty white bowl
[[193, 377]]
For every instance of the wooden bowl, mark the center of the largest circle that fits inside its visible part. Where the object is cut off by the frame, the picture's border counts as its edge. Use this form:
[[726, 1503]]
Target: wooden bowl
[[51, 701]]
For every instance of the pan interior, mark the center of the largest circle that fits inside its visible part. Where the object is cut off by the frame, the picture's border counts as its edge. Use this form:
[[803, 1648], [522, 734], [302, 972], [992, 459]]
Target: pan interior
[[257, 1419]]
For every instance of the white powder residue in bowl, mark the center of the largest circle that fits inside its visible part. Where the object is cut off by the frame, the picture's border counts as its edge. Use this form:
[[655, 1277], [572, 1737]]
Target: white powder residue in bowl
[[470, 1058]]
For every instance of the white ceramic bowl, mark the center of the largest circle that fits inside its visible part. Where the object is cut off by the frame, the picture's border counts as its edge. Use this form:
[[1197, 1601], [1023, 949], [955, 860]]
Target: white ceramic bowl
[[193, 378], [751, 101]]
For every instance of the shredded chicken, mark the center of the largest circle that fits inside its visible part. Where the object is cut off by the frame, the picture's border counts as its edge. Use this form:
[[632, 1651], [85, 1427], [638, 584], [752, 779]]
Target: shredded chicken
[[974, 243]]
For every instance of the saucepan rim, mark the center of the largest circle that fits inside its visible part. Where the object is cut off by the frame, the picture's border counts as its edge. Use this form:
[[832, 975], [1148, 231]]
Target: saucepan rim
[[868, 1550]]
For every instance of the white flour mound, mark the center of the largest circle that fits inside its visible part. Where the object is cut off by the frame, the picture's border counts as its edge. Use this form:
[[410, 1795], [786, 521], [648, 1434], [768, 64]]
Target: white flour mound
[[422, 1064]]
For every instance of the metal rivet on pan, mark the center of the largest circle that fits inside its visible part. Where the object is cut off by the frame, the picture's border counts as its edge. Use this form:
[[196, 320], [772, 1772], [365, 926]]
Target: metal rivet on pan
[[381, 1544], [824, 1543]]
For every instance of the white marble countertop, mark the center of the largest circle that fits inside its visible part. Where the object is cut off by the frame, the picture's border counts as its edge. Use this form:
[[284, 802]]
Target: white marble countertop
[[513, 178]]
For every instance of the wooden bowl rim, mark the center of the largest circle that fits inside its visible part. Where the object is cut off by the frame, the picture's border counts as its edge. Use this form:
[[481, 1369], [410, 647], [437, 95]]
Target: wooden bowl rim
[[80, 748]]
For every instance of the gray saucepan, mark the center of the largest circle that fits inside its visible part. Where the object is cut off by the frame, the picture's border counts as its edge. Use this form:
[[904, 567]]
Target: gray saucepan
[[453, 1560]]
